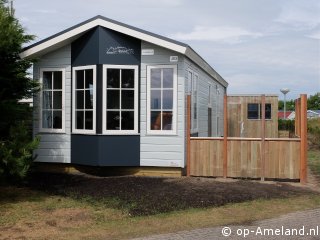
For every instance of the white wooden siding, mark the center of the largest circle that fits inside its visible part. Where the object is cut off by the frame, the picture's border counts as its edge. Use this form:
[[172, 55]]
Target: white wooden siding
[[54, 147], [159, 150], [203, 94]]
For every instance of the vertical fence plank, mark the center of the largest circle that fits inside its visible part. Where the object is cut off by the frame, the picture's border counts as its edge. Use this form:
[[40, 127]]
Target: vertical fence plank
[[297, 125], [263, 136], [303, 136], [188, 126], [225, 136]]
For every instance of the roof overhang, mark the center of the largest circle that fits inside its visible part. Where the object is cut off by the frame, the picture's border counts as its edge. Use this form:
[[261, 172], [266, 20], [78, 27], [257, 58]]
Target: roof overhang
[[69, 35]]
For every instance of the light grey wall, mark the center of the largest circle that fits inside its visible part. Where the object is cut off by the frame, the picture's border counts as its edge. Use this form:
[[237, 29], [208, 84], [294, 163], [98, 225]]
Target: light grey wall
[[54, 147], [157, 150], [218, 92]]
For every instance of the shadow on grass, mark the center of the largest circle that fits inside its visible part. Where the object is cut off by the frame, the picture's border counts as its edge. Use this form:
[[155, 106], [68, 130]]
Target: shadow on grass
[[151, 195]]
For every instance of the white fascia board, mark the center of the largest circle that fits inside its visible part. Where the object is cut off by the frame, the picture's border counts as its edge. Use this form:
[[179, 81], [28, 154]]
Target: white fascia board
[[65, 37], [59, 39], [143, 36], [205, 66]]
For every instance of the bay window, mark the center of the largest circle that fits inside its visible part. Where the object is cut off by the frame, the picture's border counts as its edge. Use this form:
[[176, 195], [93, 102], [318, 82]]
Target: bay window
[[52, 113], [84, 99], [162, 99], [120, 99]]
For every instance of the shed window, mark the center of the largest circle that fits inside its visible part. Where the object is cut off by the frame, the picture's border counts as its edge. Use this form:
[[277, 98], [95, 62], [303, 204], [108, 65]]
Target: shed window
[[120, 99], [52, 100], [84, 99], [162, 98], [255, 111]]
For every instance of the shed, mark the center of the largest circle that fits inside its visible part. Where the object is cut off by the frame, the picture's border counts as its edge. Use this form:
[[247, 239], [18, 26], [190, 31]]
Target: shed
[[245, 115], [115, 95]]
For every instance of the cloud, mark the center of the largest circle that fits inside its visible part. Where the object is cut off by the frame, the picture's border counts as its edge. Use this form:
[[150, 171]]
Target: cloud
[[314, 35], [300, 15], [217, 34]]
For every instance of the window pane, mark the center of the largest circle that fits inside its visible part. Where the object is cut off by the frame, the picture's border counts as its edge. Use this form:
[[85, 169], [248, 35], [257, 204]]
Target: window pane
[[155, 99], [89, 78], [127, 78], [113, 78], [167, 99], [168, 78], [113, 99], [156, 78], [57, 100], [127, 99], [113, 120], [268, 110], [127, 120], [79, 99], [57, 80], [79, 119], [57, 119], [167, 120], [88, 120], [253, 111], [155, 123], [46, 119], [47, 80], [47, 100], [79, 79], [89, 99]]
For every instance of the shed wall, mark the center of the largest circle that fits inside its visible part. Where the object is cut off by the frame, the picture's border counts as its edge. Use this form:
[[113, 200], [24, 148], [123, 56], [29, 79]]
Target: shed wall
[[240, 126]]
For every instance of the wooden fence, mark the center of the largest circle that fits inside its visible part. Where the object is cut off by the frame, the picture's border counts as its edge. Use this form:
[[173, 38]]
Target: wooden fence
[[274, 158]]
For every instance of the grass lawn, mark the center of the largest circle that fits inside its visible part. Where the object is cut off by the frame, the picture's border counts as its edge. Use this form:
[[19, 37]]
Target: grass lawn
[[37, 215], [314, 162]]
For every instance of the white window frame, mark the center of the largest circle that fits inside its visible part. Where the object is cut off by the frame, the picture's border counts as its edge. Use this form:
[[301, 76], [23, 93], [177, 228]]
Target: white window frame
[[53, 130], [194, 87], [84, 131], [104, 100], [173, 131]]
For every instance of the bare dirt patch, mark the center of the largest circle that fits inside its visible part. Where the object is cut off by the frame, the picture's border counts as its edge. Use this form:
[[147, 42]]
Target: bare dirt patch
[[152, 195]]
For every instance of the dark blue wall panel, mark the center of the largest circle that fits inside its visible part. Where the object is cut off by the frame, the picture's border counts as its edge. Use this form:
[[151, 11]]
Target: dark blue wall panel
[[105, 46], [105, 150]]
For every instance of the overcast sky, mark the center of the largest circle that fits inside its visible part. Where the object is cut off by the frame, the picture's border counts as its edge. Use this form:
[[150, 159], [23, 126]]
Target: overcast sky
[[258, 46]]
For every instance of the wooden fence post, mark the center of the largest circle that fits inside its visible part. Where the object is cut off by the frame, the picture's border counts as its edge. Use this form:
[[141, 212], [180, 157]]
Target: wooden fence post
[[225, 136], [303, 138], [297, 124], [263, 136], [188, 126]]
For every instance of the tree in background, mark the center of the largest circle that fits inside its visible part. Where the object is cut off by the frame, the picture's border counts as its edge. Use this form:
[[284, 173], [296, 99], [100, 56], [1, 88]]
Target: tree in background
[[314, 102], [290, 105], [16, 142]]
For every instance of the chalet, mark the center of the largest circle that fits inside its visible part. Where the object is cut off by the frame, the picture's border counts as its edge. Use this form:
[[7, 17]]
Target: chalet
[[115, 95]]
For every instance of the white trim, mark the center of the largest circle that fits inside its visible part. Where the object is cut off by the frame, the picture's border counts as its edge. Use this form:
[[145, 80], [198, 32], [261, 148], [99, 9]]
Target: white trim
[[210, 88], [84, 131], [194, 124], [68, 36], [175, 98], [136, 101], [53, 130]]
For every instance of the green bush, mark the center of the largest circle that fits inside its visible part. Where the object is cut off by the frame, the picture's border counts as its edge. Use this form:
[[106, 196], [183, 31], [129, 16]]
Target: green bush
[[286, 124], [16, 155], [314, 132]]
